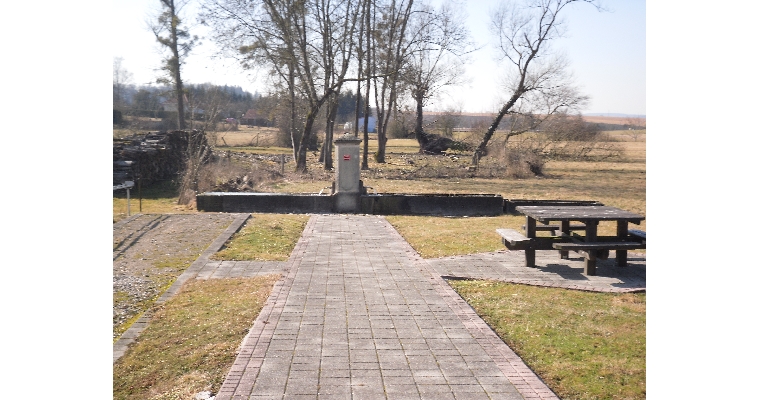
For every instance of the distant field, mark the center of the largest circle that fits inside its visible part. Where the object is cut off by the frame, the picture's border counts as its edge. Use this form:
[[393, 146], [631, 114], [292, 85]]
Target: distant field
[[254, 136], [615, 120], [589, 118]]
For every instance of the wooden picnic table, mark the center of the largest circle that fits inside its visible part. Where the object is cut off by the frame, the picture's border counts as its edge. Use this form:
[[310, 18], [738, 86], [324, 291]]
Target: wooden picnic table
[[586, 219]]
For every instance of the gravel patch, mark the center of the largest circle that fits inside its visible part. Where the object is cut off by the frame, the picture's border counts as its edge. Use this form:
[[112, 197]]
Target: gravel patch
[[150, 251]]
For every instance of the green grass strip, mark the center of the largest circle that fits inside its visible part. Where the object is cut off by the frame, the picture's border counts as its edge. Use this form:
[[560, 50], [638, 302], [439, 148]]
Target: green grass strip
[[583, 345], [190, 343], [265, 237], [435, 237]]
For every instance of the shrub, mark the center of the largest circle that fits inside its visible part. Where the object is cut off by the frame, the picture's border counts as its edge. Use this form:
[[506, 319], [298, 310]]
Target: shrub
[[571, 129], [225, 173], [117, 117], [523, 163], [521, 157], [447, 121], [401, 126], [198, 153]]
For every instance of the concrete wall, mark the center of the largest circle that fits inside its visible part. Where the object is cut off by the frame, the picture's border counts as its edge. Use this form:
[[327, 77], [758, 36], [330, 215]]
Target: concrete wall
[[377, 204], [264, 203], [381, 204], [432, 204]]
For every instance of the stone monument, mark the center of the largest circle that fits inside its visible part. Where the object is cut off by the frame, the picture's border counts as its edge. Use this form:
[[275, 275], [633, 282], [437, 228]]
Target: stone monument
[[347, 186]]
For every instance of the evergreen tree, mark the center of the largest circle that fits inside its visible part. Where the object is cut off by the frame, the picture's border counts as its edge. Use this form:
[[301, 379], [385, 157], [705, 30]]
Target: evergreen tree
[[178, 41]]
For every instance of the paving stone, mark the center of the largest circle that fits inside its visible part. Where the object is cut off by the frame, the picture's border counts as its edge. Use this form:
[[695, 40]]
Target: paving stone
[[359, 315]]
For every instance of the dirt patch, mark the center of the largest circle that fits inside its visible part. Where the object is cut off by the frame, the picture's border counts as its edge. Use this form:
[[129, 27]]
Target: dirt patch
[[150, 251]]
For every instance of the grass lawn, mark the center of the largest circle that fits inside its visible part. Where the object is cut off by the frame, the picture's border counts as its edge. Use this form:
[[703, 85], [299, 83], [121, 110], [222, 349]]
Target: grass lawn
[[583, 345], [190, 343], [473, 234], [265, 237], [159, 198]]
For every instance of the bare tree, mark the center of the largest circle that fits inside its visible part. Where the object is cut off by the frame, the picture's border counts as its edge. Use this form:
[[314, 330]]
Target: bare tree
[[359, 69], [170, 34], [440, 42], [547, 107], [635, 125], [448, 120], [335, 57], [389, 50], [206, 105], [197, 153], [539, 82], [369, 21], [121, 79], [307, 44]]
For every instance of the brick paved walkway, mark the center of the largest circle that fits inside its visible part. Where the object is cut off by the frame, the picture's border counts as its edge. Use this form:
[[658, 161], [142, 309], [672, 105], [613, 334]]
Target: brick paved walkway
[[360, 315], [507, 266]]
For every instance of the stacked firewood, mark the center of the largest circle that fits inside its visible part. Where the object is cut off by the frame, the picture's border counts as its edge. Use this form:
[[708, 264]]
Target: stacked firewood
[[155, 156]]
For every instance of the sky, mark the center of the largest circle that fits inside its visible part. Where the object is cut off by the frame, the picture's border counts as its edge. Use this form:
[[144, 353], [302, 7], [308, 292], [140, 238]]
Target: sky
[[607, 53]]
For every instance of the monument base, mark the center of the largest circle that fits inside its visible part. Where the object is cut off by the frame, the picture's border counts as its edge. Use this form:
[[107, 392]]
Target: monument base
[[349, 203]]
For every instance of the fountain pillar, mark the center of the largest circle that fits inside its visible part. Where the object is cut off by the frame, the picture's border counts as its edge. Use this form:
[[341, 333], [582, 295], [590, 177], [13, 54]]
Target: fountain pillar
[[348, 187]]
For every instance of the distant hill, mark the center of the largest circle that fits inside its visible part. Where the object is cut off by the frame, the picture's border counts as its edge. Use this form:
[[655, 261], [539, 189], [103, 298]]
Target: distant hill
[[605, 121], [615, 115], [610, 122]]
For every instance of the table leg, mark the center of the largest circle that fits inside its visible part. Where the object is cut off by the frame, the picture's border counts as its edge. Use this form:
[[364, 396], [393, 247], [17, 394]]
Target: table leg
[[530, 232], [590, 263], [589, 266], [621, 256], [564, 228]]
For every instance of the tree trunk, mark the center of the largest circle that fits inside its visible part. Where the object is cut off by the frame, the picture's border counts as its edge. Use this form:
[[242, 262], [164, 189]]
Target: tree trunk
[[180, 103], [357, 109], [174, 46], [329, 134], [379, 126], [327, 131], [381, 139], [301, 160], [368, 34], [481, 149], [419, 134], [310, 117]]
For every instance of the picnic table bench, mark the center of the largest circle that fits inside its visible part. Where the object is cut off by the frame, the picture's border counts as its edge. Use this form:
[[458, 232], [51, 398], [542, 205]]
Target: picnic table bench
[[569, 219]]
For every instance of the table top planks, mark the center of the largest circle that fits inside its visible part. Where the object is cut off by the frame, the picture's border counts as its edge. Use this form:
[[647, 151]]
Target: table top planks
[[546, 214]]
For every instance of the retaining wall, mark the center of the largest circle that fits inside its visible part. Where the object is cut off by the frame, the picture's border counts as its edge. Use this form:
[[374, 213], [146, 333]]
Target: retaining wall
[[280, 203], [379, 204], [432, 204]]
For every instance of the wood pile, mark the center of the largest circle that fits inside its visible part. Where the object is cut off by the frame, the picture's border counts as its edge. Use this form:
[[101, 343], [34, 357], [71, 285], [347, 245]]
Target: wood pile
[[437, 144], [155, 156]]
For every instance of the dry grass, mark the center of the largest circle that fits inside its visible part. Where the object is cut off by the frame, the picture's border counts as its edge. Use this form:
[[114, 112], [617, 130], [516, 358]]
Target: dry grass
[[149, 206], [619, 183], [160, 198], [432, 237], [253, 136], [190, 343], [265, 237], [570, 364], [583, 345], [257, 150]]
